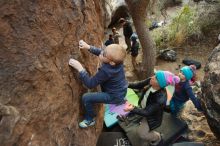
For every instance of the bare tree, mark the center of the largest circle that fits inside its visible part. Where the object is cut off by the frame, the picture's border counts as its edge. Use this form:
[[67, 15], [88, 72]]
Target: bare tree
[[137, 9]]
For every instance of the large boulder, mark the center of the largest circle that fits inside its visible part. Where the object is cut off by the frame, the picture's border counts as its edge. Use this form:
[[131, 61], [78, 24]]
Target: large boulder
[[115, 9], [40, 95], [211, 91]]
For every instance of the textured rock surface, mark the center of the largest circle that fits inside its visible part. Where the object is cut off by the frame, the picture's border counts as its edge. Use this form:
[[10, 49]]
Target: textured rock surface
[[199, 129], [211, 91], [39, 93], [115, 9]]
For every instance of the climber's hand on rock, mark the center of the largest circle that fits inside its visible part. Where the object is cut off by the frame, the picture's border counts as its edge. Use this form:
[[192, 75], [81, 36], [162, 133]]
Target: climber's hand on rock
[[83, 45], [76, 64]]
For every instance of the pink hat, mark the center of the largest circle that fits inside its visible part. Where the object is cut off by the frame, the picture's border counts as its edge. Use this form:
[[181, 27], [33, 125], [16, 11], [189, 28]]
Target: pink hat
[[165, 78]]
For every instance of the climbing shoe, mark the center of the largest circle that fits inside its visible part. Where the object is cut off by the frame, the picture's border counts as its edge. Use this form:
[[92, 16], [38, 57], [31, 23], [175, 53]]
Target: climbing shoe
[[86, 123]]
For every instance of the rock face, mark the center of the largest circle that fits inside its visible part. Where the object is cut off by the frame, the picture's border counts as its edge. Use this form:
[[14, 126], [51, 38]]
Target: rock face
[[198, 128], [115, 9], [40, 95], [211, 91]]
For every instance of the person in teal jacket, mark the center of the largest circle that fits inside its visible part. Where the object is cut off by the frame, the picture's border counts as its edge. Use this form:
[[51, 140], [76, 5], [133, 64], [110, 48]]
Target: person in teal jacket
[[183, 91]]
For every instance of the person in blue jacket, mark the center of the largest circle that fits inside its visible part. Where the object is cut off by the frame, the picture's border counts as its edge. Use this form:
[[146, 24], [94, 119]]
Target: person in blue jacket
[[183, 91], [109, 41], [110, 76]]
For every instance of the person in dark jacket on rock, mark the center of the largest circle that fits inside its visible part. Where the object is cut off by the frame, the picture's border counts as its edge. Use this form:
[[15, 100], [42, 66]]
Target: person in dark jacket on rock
[[110, 77], [116, 35], [183, 91], [134, 49], [127, 31], [139, 125]]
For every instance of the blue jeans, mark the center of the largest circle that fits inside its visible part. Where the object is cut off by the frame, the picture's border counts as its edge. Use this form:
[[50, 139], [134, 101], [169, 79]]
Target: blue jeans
[[176, 106], [89, 99]]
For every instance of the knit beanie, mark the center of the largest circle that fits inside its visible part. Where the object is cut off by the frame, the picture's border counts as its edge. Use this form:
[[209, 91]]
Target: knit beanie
[[188, 71], [165, 78]]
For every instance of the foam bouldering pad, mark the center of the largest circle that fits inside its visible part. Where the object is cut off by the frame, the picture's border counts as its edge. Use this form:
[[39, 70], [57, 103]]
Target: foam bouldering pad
[[182, 138], [170, 90], [188, 144], [110, 116], [115, 128], [171, 128], [112, 110], [113, 139], [132, 97], [191, 61]]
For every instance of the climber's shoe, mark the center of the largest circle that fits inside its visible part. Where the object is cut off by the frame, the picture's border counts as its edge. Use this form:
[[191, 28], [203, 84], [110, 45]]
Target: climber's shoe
[[86, 123]]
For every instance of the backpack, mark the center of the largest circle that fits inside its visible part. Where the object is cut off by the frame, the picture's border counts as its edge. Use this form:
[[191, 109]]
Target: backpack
[[134, 37], [168, 55]]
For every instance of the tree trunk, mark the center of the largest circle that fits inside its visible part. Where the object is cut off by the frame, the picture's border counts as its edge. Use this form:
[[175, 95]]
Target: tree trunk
[[137, 9]]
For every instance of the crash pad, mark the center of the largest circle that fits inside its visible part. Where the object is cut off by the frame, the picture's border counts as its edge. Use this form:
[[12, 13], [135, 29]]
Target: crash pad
[[191, 61], [171, 128], [113, 110], [188, 144], [170, 90], [113, 139]]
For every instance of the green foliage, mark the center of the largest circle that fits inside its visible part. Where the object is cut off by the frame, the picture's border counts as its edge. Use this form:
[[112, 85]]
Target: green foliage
[[160, 37], [148, 23], [182, 26], [190, 22]]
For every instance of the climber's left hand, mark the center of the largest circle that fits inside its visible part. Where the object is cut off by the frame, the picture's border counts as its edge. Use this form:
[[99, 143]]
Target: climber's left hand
[[76, 64]]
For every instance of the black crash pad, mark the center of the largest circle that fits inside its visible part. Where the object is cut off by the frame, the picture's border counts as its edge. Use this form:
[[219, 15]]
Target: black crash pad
[[188, 144], [190, 62], [171, 128], [113, 139]]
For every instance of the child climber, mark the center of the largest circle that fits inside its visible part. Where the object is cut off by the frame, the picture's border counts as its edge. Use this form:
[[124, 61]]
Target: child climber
[[183, 91], [110, 76], [134, 49]]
